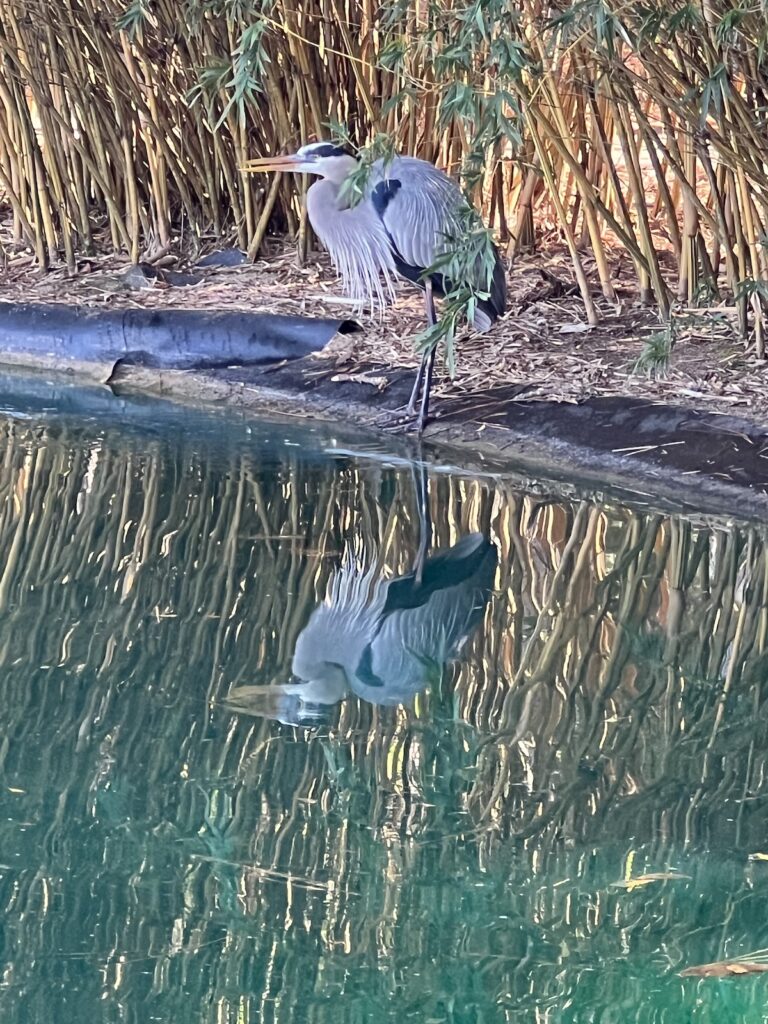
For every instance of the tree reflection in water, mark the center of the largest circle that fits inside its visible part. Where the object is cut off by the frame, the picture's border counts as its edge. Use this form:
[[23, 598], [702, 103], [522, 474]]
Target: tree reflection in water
[[451, 857]]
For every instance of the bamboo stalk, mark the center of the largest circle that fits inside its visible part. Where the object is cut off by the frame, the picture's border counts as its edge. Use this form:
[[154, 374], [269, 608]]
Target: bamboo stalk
[[97, 129]]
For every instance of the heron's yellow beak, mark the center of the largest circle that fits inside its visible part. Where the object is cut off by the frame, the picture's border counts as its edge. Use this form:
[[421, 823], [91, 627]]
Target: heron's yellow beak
[[272, 163]]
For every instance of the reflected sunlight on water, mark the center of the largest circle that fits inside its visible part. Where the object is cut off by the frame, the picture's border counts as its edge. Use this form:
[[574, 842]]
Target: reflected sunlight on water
[[466, 856]]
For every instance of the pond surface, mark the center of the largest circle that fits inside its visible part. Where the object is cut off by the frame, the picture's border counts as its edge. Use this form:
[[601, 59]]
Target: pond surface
[[463, 819]]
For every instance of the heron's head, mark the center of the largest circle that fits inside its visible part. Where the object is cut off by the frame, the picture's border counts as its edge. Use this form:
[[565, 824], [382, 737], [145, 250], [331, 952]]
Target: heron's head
[[282, 703], [325, 159]]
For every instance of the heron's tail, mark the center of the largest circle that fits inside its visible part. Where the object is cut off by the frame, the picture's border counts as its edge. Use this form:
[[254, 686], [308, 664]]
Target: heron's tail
[[490, 309]]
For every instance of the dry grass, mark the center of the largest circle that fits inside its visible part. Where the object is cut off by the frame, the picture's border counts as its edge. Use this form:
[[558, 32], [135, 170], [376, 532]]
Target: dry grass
[[543, 342], [125, 126]]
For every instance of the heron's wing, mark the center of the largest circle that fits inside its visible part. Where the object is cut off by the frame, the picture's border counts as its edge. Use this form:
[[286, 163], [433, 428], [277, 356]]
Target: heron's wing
[[492, 307], [426, 623], [341, 627], [421, 209], [418, 205], [414, 644], [356, 241], [442, 570]]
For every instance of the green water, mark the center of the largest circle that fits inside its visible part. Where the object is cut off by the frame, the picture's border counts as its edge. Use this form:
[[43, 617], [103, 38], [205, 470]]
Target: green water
[[455, 858]]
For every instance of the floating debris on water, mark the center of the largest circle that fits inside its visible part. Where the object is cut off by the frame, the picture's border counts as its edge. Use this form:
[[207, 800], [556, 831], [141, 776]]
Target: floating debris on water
[[657, 876]]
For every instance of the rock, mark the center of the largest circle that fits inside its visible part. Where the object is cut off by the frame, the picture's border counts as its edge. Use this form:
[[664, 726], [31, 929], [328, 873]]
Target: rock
[[223, 258]]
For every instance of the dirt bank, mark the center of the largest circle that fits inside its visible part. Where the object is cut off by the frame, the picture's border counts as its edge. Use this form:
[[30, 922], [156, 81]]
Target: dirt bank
[[542, 346], [540, 393], [659, 455]]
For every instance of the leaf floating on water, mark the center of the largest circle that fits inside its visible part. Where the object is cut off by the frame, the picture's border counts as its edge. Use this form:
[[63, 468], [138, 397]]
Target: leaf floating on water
[[724, 969], [657, 876]]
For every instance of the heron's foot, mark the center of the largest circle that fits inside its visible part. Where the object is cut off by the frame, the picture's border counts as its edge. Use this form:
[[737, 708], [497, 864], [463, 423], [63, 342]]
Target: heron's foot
[[402, 420], [402, 416]]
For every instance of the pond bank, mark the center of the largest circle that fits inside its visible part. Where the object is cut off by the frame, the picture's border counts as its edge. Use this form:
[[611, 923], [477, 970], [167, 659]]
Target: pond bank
[[650, 456], [688, 460], [705, 456], [542, 344]]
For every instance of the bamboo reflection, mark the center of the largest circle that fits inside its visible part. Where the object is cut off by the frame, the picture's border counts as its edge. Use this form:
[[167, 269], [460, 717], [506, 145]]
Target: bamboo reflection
[[613, 699]]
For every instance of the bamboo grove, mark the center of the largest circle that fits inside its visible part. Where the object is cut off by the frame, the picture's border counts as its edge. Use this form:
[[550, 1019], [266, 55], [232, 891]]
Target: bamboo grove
[[637, 129], [608, 711]]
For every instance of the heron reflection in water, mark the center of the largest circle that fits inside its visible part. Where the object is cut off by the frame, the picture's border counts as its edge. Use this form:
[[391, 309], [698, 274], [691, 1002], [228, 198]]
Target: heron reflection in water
[[383, 640]]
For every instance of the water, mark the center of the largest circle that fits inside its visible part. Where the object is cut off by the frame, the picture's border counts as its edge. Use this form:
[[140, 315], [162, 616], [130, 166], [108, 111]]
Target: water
[[460, 858]]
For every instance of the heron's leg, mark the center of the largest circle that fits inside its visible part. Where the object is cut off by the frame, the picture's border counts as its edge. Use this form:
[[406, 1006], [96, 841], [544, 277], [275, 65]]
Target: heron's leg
[[410, 409], [425, 520], [428, 362], [423, 381], [424, 410], [429, 304]]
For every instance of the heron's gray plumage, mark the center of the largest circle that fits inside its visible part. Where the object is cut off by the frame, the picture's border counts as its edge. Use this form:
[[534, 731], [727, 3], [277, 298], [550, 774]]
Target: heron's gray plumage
[[357, 242], [410, 214], [387, 642], [407, 218], [413, 645], [424, 210], [384, 640], [332, 643]]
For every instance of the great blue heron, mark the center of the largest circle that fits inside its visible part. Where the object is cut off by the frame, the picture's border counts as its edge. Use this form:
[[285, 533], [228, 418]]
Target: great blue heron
[[409, 212], [384, 640]]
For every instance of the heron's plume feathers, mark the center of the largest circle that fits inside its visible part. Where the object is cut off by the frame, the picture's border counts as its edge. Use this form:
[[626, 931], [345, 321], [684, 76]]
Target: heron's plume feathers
[[357, 243], [353, 592]]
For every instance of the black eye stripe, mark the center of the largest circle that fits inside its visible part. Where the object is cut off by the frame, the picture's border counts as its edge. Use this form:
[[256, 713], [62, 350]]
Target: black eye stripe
[[328, 149]]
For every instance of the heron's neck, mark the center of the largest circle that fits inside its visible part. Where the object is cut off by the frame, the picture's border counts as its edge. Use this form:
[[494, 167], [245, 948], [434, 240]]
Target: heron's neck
[[339, 169]]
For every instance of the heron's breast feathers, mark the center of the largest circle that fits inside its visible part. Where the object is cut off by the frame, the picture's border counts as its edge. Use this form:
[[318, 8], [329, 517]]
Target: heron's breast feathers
[[356, 241]]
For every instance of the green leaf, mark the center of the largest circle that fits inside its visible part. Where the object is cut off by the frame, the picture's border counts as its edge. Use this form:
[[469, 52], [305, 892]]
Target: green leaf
[[654, 359], [134, 18], [458, 101], [393, 54], [356, 185], [716, 90]]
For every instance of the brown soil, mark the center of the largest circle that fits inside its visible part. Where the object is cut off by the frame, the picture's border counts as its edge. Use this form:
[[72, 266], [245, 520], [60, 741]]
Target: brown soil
[[542, 344]]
